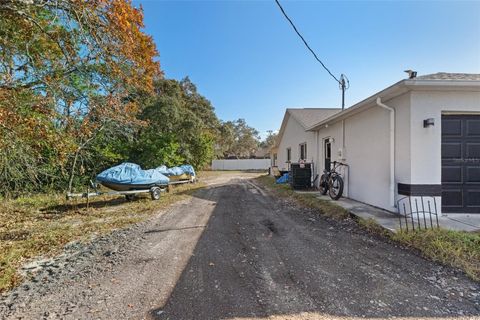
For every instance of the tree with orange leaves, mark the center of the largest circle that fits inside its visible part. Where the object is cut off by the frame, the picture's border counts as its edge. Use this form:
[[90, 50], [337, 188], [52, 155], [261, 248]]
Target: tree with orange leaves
[[70, 71]]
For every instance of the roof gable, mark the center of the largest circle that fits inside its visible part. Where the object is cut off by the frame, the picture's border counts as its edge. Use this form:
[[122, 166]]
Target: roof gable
[[306, 117]]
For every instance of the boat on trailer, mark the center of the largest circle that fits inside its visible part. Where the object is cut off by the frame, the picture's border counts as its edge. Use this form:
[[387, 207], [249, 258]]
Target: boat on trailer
[[130, 179]]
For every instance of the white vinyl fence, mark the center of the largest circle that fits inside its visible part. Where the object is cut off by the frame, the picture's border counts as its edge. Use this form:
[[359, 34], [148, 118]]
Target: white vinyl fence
[[241, 164]]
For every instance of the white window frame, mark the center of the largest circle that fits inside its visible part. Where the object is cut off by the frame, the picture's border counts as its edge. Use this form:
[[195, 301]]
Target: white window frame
[[304, 144]]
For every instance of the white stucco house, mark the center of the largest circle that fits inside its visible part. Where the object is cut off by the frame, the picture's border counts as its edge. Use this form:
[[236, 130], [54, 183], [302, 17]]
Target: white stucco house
[[418, 137], [294, 138]]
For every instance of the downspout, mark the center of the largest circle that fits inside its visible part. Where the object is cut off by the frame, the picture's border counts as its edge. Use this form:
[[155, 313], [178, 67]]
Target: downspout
[[316, 153], [343, 160], [392, 149]]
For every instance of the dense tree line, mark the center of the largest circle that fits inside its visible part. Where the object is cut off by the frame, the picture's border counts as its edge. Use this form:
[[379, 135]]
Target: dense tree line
[[72, 73], [81, 89]]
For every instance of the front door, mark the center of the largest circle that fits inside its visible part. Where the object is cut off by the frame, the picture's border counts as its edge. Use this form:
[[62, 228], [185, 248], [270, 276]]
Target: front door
[[461, 163], [328, 153]]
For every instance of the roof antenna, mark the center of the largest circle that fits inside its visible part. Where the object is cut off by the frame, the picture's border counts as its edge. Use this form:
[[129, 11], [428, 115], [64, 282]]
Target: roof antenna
[[411, 74]]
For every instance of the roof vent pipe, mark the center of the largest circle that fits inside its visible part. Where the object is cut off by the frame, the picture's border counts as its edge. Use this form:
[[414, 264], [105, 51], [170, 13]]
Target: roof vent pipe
[[411, 74]]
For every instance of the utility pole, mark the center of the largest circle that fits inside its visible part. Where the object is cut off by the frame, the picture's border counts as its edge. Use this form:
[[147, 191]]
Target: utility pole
[[344, 85]]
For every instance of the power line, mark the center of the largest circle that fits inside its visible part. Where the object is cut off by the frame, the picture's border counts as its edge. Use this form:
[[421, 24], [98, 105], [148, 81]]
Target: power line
[[305, 42], [343, 81]]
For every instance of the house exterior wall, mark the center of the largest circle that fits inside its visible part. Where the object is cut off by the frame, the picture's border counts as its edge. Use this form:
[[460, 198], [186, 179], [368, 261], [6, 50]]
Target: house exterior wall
[[332, 131], [426, 143], [293, 135], [417, 149], [367, 151], [401, 104], [367, 144]]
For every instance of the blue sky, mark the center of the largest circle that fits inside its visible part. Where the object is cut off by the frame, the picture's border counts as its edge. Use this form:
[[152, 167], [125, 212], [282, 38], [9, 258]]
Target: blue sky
[[247, 60]]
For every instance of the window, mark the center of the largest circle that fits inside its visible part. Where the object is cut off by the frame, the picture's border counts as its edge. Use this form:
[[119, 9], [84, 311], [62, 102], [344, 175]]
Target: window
[[274, 159], [289, 154], [303, 151]]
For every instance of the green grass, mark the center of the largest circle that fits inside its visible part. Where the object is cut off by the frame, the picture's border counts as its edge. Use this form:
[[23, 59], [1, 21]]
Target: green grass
[[454, 248], [457, 249], [326, 208], [40, 225], [373, 227]]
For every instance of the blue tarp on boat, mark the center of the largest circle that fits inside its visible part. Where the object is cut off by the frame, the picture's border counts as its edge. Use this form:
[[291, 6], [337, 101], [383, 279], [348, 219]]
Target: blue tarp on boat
[[177, 171], [132, 174], [163, 169], [188, 169]]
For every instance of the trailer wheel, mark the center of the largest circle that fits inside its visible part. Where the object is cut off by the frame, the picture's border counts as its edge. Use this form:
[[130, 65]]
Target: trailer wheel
[[130, 197], [155, 193]]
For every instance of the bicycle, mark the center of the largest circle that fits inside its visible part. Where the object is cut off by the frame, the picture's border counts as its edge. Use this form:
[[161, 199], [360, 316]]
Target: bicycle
[[332, 182]]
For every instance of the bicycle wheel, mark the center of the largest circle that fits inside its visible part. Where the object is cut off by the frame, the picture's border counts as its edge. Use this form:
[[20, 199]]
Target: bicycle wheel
[[335, 187], [323, 184]]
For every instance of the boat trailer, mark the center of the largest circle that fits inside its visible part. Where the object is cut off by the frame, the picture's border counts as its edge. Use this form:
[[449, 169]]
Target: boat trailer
[[155, 191]]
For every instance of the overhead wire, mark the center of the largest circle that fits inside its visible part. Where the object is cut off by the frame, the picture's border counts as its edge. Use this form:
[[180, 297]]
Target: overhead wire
[[305, 42]]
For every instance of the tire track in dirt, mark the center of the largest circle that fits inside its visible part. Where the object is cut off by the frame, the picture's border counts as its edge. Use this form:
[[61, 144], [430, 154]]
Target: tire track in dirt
[[234, 251]]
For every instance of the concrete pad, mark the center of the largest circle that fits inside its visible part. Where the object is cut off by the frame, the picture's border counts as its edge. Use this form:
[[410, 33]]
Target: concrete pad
[[386, 219], [390, 220], [461, 221]]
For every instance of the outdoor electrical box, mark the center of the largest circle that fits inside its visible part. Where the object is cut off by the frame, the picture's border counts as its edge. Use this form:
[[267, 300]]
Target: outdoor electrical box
[[301, 175]]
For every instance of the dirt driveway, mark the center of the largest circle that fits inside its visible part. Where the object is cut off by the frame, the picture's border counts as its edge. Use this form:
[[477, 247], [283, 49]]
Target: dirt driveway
[[233, 251]]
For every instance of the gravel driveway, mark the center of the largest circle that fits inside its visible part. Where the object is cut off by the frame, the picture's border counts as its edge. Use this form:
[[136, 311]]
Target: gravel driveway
[[233, 251]]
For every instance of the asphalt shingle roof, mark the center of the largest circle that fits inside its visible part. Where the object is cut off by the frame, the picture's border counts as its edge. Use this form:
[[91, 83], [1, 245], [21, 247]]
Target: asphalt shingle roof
[[450, 76], [310, 116]]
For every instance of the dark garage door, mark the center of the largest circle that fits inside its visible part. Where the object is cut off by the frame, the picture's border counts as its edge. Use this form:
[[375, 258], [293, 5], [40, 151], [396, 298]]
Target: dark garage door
[[461, 163]]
